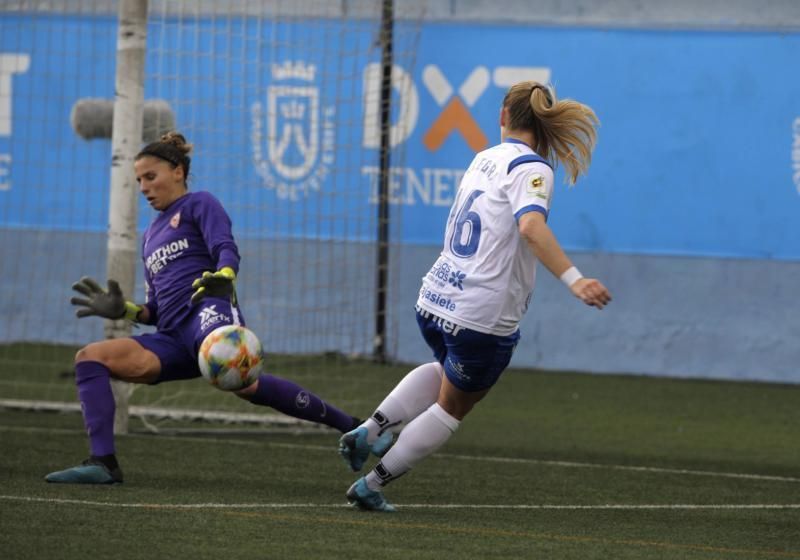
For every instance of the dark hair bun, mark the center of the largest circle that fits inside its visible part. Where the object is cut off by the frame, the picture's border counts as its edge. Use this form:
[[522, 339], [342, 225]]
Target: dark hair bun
[[177, 140]]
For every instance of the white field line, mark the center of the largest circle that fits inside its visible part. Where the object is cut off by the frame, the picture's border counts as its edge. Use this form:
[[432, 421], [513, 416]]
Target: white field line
[[663, 470], [164, 413], [447, 456], [267, 505]]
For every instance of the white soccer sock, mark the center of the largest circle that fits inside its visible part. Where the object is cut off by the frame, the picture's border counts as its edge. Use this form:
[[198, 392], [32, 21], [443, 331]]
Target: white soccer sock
[[418, 390], [422, 437]]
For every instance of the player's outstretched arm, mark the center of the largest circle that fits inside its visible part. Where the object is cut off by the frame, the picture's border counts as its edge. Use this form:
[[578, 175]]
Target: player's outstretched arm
[[215, 284], [534, 228], [109, 304]]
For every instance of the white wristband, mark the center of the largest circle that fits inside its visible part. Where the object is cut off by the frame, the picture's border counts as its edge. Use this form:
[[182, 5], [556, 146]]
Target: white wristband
[[570, 276]]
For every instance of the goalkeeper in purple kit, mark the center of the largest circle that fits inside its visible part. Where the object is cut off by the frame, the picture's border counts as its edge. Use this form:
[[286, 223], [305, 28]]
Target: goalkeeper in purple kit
[[191, 261]]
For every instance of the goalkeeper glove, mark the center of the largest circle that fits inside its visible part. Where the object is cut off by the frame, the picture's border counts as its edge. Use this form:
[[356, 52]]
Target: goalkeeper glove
[[109, 304], [215, 284]]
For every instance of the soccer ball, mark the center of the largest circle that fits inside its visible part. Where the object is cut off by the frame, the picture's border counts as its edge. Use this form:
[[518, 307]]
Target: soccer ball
[[230, 358]]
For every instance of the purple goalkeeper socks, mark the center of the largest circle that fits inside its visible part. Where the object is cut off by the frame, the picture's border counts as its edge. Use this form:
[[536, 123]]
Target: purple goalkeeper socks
[[97, 401], [292, 399]]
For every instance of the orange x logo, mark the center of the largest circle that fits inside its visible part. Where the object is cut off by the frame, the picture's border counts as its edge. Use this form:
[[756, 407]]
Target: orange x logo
[[455, 117]]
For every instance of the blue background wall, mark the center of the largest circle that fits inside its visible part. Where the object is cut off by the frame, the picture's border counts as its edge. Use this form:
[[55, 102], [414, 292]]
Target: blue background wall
[[692, 159], [688, 213]]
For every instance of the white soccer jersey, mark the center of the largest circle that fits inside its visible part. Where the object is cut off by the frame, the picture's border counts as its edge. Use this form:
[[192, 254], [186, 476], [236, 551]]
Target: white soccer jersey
[[484, 277]]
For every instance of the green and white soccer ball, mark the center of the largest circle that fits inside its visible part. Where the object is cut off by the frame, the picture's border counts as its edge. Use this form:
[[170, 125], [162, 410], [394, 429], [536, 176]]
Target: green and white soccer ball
[[230, 358]]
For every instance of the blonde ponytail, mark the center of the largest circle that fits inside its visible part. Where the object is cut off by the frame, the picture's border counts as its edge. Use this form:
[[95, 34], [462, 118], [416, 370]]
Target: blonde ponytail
[[564, 130]]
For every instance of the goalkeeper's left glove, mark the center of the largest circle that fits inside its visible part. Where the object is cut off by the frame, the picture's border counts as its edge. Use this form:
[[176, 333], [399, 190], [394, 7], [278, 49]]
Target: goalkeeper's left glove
[[110, 304], [215, 284]]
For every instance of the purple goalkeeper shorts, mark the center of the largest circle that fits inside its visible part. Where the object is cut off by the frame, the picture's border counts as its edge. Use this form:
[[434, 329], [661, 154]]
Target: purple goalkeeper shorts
[[177, 347]]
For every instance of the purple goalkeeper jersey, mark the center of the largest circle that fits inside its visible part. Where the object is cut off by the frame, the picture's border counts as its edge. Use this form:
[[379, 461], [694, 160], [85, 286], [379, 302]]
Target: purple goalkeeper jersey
[[191, 236]]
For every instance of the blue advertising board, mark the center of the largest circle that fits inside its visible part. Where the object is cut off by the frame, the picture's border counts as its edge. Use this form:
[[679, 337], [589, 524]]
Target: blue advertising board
[[698, 154]]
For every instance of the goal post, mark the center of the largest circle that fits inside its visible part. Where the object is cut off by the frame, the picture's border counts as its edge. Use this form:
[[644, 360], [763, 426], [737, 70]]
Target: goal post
[[126, 137], [282, 101]]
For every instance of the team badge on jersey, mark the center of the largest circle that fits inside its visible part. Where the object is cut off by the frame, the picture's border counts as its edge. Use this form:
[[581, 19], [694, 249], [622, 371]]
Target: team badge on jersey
[[536, 186], [175, 220], [535, 182]]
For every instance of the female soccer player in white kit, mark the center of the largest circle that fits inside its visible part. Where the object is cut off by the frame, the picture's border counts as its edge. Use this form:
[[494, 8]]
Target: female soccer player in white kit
[[474, 296]]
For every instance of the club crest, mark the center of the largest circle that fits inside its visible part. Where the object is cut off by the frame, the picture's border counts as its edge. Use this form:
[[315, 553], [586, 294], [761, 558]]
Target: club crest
[[292, 132]]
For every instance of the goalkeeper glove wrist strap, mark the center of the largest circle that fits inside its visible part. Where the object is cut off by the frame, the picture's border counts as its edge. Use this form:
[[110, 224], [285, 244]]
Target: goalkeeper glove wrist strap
[[132, 311]]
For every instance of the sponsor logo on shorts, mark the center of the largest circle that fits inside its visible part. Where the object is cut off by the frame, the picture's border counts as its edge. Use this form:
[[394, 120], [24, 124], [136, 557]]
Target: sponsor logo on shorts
[[447, 327], [302, 400], [210, 317], [458, 369]]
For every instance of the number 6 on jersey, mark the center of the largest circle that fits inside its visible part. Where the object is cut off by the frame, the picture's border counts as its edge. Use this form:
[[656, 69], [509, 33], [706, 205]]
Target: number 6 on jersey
[[461, 247]]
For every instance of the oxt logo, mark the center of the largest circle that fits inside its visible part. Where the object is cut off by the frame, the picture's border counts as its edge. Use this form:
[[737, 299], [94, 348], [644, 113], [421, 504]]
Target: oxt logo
[[456, 102]]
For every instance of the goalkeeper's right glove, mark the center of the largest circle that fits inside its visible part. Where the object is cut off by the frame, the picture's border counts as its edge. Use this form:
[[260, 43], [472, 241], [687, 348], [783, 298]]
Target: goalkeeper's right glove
[[215, 284], [110, 304]]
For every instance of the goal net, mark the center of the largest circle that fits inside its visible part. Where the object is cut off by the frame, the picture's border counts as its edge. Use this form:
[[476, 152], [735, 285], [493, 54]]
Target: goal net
[[281, 100]]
